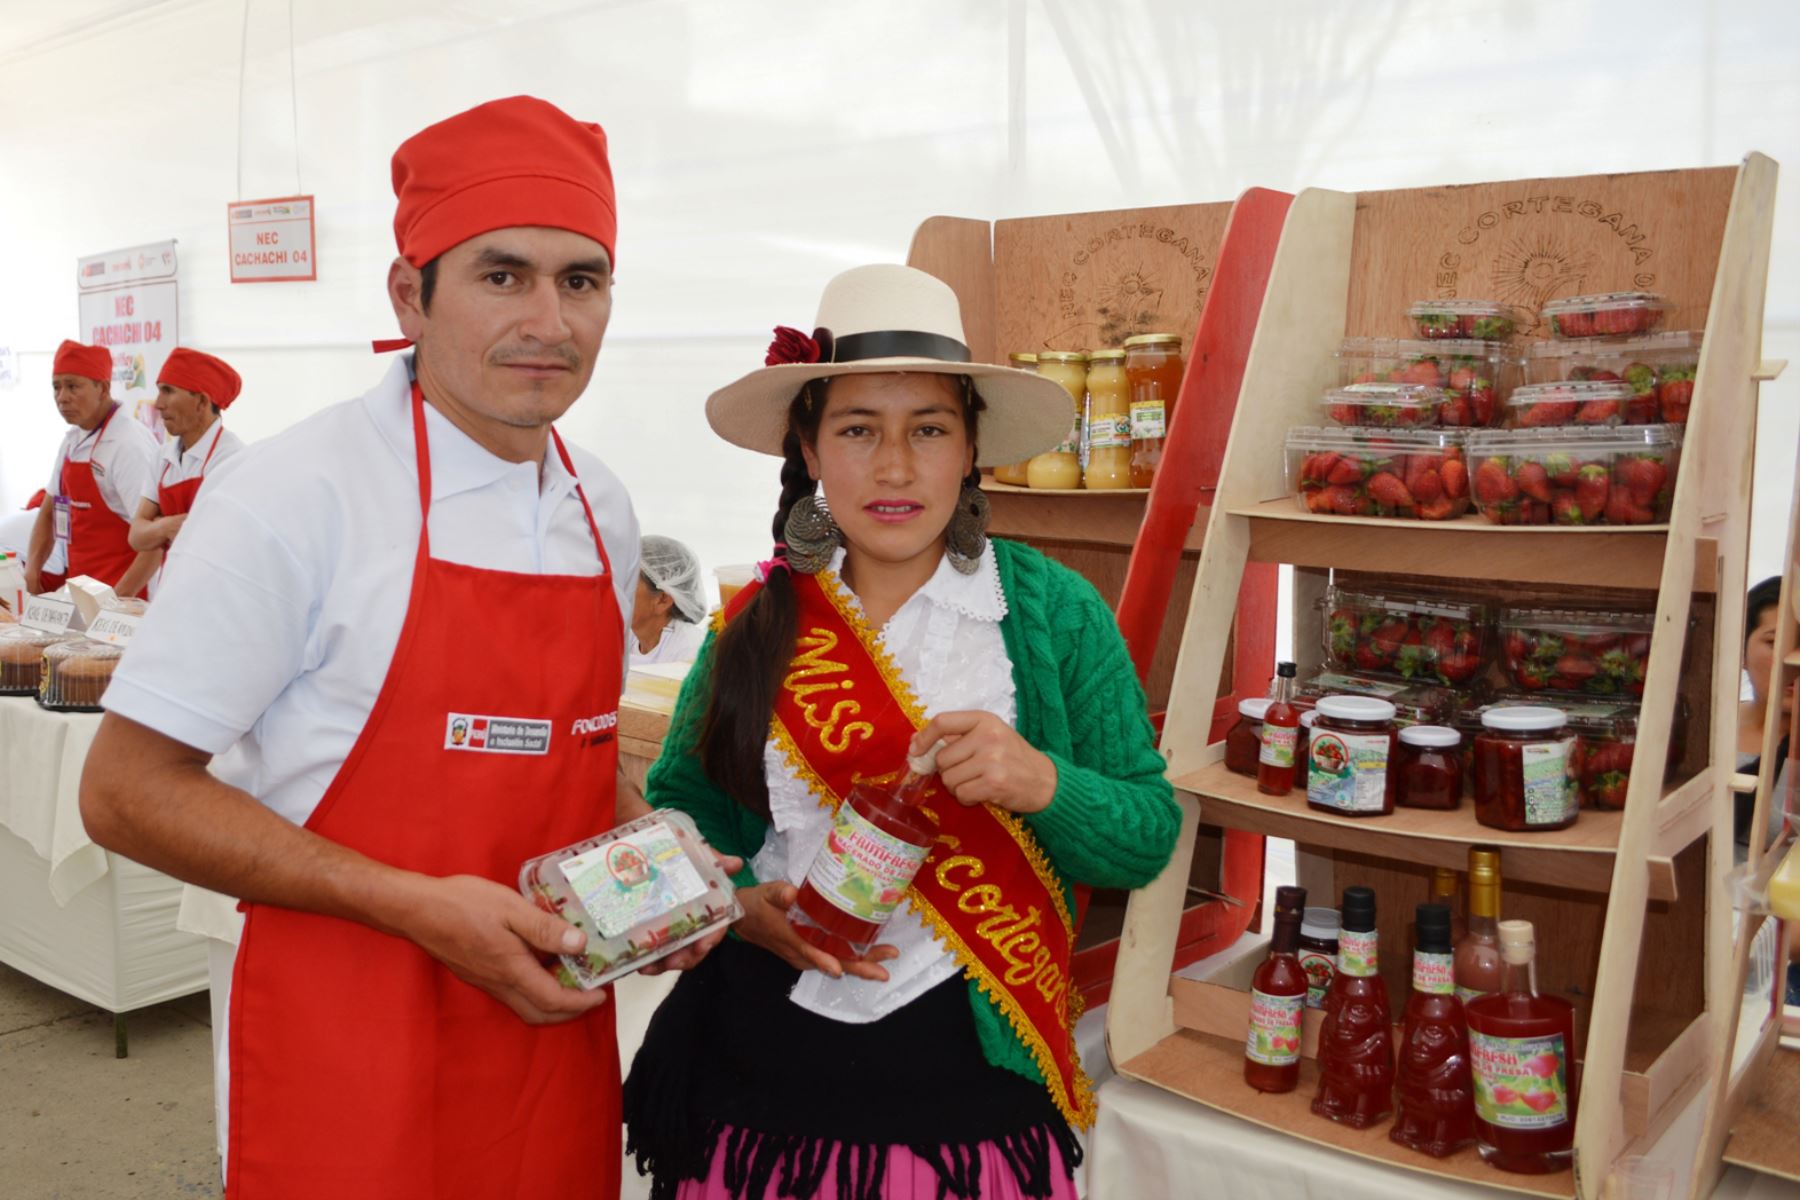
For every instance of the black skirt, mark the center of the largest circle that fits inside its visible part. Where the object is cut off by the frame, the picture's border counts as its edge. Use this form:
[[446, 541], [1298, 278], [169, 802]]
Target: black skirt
[[729, 1049]]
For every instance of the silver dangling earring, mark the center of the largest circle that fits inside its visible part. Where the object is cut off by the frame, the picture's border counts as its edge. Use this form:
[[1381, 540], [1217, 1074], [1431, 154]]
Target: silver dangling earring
[[812, 536], [966, 539]]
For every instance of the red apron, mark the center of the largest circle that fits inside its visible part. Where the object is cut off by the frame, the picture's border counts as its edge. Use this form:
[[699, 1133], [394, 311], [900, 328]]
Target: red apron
[[177, 498], [96, 539], [360, 1066]]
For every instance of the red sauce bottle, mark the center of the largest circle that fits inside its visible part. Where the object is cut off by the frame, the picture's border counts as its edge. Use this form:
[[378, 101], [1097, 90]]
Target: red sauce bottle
[[1478, 966], [861, 874], [1356, 1043], [1280, 737], [1522, 1047], [1436, 1092], [1278, 1002]]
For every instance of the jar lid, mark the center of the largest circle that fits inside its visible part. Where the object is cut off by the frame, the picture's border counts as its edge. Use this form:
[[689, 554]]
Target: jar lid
[[1061, 356], [1106, 356], [1022, 356], [1524, 718], [1254, 708], [1437, 736], [1153, 339], [1308, 717], [1356, 708], [1321, 923]]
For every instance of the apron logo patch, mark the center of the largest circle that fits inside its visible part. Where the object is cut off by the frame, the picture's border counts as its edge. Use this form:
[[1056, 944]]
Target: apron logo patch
[[595, 730], [496, 735]]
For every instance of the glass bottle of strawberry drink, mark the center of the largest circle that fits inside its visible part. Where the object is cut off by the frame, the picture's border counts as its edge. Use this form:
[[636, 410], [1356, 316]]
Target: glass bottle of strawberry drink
[[877, 842], [1280, 737], [1522, 1048], [1437, 1099], [1356, 1043], [1278, 1002]]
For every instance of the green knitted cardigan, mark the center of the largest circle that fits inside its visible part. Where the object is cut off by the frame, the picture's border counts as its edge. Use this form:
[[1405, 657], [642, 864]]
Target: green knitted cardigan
[[1113, 821]]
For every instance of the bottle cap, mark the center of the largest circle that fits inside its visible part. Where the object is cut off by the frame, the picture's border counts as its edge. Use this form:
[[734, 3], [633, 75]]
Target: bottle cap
[[1359, 910], [926, 763], [1432, 928], [1289, 901], [1321, 924], [1443, 881], [1287, 670], [1484, 866], [1518, 942]]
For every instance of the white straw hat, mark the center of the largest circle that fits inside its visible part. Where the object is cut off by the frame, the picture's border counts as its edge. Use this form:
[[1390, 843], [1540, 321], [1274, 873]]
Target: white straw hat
[[886, 318]]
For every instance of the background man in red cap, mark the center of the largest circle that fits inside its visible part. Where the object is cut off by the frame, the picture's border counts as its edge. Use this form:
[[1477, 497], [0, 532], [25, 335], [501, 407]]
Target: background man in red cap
[[191, 391], [101, 467], [429, 554]]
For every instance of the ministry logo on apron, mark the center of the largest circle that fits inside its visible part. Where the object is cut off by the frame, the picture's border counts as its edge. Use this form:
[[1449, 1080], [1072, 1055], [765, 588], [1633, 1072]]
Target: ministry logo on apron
[[496, 735]]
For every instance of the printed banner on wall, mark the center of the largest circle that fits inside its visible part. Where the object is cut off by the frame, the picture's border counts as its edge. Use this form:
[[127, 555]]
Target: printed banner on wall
[[128, 304], [272, 240]]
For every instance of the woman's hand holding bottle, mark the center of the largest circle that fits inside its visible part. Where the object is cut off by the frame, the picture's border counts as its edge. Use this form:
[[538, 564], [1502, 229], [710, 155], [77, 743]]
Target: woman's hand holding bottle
[[986, 761], [765, 923]]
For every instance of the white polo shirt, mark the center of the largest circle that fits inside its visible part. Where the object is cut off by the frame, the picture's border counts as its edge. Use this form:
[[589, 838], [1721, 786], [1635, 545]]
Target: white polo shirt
[[174, 465], [286, 591], [123, 459]]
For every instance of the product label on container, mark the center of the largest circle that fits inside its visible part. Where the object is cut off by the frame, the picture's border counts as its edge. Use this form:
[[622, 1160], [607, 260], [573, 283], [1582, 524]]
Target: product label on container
[[1274, 1029], [1433, 974], [1357, 953], [1148, 419], [1109, 432], [634, 880], [1278, 744], [1549, 789], [1319, 968], [1072, 443], [1520, 1083], [1469, 995], [1347, 771], [862, 869]]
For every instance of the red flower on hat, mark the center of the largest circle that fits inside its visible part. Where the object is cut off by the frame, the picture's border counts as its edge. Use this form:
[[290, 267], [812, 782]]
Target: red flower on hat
[[791, 346]]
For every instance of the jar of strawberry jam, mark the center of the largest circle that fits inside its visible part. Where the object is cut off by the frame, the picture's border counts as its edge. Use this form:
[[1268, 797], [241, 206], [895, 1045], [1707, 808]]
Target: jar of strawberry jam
[[1243, 745], [1524, 764], [1430, 768], [1350, 756]]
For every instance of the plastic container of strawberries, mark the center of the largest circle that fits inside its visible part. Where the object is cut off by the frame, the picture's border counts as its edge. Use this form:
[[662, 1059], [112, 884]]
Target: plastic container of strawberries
[[1659, 368], [1605, 314], [1581, 402], [1383, 405], [1414, 703], [1417, 474], [1591, 653], [1475, 376], [1595, 475], [1415, 637], [641, 892], [1485, 320]]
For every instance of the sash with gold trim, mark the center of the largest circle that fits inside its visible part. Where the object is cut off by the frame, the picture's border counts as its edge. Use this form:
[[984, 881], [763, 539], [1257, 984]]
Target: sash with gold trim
[[844, 716]]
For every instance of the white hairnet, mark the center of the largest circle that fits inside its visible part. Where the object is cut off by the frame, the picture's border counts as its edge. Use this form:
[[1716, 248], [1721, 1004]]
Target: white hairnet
[[671, 567]]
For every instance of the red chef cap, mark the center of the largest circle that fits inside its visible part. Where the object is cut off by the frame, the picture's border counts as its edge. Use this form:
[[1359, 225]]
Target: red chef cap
[[519, 161], [73, 358], [202, 373]]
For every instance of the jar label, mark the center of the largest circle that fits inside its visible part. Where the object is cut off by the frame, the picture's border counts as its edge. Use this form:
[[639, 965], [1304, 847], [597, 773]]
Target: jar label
[[1109, 432], [1072, 443], [1347, 771], [1433, 974], [1358, 953], [1274, 1037], [1468, 995], [1549, 788], [1279, 743], [1319, 967], [1148, 420], [1520, 1083], [633, 879], [862, 869]]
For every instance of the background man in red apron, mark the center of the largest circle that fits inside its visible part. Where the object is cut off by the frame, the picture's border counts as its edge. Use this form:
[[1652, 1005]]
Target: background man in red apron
[[352, 588], [192, 390], [84, 528]]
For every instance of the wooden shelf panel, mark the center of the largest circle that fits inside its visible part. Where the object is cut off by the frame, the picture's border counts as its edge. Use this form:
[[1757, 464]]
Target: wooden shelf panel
[[994, 486], [1211, 1070], [1762, 1138], [1469, 548], [1579, 857]]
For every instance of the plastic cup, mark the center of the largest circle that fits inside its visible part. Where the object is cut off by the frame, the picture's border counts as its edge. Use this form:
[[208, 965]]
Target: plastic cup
[[1638, 1178], [732, 580]]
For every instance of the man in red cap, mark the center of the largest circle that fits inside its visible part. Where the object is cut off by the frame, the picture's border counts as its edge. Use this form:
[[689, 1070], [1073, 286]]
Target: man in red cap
[[428, 558], [100, 471], [192, 390]]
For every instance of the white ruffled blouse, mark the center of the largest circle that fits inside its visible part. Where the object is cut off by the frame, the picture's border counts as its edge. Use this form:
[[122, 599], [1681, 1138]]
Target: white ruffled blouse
[[946, 643]]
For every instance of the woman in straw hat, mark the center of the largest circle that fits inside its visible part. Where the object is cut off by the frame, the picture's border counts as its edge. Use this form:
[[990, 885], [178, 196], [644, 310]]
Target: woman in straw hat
[[941, 1061]]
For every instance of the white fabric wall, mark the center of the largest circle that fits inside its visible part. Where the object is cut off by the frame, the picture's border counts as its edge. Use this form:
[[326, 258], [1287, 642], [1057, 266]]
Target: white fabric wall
[[762, 145]]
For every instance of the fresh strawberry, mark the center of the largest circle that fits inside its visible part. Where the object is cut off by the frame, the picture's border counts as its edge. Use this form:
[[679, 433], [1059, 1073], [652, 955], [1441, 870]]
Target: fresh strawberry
[[1368, 658], [1457, 667], [1598, 412], [1427, 485], [1462, 377], [1608, 791], [1455, 474], [1531, 677], [1483, 402], [1347, 501], [1564, 510], [1492, 483], [1534, 512], [1533, 480], [1599, 375], [1342, 414], [1578, 667], [1367, 377], [1643, 479], [1388, 639], [1341, 630], [1421, 370], [1441, 509], [1622, 510], [1573, 324], [1388, 492], [1318, 499], [1347, 469], [1518, 647], [1546, 413], [1591, 491], [1440, 638], [1454, 412], [1608, 756], [1675, 392], [1561, 469]]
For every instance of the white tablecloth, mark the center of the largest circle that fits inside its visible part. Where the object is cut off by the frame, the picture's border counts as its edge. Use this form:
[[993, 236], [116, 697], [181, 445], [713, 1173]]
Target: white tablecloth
[[41, 755]]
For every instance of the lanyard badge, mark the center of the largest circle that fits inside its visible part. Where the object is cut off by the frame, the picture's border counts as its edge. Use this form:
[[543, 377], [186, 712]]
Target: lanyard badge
[[60, 520]]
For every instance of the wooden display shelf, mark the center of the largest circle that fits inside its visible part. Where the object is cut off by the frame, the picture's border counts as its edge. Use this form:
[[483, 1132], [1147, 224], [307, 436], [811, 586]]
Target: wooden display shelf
[[1762, 1138], [1471, 548], [1791, 658]]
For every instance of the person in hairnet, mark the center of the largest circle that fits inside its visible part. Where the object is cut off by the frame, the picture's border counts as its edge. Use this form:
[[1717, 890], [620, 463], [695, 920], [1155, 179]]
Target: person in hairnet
[[668, 618]]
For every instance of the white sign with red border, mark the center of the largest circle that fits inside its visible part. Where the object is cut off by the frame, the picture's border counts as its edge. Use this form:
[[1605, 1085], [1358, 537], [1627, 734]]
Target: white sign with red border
[[272, 240]]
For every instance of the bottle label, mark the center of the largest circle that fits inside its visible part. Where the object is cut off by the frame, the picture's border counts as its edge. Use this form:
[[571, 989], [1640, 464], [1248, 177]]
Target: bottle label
[[1433, 974], [1148, 420], [1279, 743], [1469, 995], [1274, 1029], [1357, 953], [863, 870], [1520, 1083], [1072, 443], [1347, 771], [1319, 968], [1110, 432], [1549, 788]]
